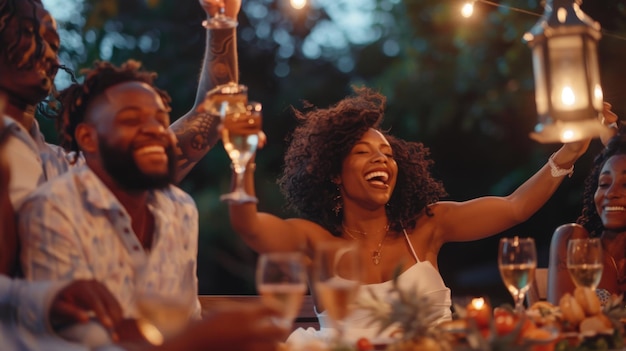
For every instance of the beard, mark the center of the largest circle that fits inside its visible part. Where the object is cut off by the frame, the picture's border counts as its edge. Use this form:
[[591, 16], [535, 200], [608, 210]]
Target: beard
[[123, 169]]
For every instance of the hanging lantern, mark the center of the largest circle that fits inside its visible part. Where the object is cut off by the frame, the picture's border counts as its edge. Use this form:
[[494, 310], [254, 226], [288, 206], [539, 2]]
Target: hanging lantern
[[568, 93]]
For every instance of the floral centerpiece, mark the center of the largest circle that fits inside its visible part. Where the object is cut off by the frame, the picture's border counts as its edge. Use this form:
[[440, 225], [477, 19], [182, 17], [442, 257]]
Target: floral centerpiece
[[579, 323]]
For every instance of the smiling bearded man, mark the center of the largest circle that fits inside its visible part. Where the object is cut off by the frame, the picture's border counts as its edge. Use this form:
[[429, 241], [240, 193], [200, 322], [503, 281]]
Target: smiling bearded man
[[116, 219]]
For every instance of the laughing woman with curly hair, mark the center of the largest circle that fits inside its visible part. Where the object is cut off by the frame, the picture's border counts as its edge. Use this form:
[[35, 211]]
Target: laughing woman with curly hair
[[349, 180]]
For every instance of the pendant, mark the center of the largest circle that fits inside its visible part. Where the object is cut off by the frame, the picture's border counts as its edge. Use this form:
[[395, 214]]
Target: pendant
[[376, 257]]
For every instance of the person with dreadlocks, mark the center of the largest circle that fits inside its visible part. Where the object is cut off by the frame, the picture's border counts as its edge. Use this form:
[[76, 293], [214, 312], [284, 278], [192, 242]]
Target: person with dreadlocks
[[603, 216], [349, 180], [28, 66]]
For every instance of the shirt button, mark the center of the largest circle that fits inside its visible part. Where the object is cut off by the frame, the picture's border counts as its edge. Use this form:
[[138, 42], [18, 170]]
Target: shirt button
[[136, 248], [126, 231]]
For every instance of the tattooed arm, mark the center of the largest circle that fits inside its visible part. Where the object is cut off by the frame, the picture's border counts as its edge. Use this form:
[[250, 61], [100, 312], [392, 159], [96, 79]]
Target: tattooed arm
[[197, 131]]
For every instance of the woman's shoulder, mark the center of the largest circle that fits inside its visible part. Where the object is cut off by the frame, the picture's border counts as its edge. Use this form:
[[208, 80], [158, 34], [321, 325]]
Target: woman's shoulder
[[569, 231]]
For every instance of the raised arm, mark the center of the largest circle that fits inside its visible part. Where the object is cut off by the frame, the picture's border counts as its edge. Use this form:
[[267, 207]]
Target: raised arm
[[264, 232], [197, 131], [485, 216]]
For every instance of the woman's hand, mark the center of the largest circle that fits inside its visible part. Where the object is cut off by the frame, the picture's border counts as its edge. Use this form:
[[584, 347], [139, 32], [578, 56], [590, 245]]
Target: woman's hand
[[231, 7], [610, 119]]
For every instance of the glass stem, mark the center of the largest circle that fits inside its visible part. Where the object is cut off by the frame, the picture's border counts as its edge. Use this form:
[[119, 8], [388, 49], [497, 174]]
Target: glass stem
[[519, 302], [239, 177], [340, 332]]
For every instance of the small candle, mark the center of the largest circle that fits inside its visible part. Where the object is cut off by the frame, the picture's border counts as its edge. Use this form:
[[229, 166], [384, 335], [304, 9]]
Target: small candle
[[480, 311]]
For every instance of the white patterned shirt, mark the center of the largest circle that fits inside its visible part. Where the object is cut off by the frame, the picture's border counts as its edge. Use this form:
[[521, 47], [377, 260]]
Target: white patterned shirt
[[32, 161], [73, 227]]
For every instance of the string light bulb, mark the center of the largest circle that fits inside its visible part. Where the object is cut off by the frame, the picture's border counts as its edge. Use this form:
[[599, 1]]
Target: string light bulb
[[298, 4], [568, 93], [467, 10]]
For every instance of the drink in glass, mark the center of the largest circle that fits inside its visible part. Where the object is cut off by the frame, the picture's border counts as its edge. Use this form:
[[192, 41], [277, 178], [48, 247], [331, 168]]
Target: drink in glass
[[169, 315], [167, 312], [517, 261], [281, 282], [336, 278], [584, 261], [336, 295], [241, 124]]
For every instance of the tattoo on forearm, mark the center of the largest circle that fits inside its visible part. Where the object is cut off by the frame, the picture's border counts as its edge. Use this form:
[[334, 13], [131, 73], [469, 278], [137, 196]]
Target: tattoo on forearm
[[223, 63], [196, 136]]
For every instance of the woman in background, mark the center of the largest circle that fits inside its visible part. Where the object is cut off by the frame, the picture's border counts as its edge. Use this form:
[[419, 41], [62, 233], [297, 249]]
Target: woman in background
[[603, 216]]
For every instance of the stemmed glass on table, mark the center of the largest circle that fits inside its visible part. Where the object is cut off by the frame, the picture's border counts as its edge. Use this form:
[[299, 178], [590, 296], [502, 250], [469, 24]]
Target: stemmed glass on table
[[281, 282], [336, 278], [517, 261], [585, 261], [241, 124]]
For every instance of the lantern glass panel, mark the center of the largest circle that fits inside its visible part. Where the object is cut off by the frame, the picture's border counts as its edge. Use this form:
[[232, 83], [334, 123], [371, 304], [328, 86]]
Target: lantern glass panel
[[568, 73], [541, 89], [594, 74]]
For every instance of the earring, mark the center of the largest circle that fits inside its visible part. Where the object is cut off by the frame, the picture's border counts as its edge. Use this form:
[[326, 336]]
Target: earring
[[338, 205], [337, 200]]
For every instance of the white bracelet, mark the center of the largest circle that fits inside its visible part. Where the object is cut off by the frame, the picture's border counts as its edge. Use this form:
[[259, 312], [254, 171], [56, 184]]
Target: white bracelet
[[557, 171]]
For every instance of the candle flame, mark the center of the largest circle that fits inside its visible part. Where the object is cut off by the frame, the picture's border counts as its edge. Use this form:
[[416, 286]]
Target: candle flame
[[478, 303], [567, 96]]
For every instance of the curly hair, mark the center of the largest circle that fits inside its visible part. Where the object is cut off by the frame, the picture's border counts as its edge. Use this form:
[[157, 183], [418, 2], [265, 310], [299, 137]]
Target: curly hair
[[321, 142], [589, 218], [75, 99]]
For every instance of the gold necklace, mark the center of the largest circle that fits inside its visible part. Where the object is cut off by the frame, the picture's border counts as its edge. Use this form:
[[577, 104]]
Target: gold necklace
[[376, 254]]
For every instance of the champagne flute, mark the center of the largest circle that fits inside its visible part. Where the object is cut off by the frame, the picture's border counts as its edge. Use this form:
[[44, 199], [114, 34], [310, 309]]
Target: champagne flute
[[584, 261], [336, 278], [281, 282], [517, 261], [220, 20], [241, 123]]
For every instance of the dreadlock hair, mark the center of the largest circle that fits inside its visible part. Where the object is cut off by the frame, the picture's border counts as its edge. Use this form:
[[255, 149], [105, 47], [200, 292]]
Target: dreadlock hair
[[589, 218], [8, 10], [75, 99], [321, 142]]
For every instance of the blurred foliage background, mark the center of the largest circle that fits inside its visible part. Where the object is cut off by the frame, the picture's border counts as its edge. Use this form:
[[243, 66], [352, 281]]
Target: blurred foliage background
[[463, 87]]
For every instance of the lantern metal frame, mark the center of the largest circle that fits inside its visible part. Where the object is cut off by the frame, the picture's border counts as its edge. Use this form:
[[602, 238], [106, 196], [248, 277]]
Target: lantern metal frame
[[568, 94]]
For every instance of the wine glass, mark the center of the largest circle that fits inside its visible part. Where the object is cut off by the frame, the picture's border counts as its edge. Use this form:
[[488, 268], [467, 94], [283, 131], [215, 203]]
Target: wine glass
[[220, 21], [241, 123], [281, 282], [336, 278], [517, 261], [584, 261], [168, 314]]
